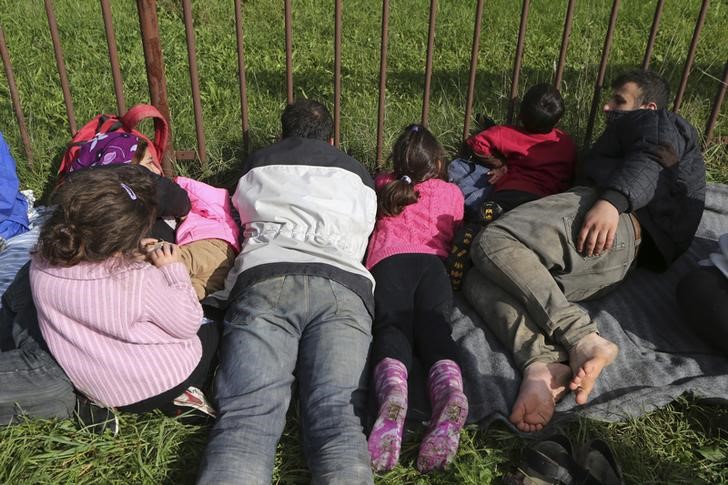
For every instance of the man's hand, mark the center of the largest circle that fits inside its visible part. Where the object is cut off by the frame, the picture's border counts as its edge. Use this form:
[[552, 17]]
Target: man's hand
[[600, 226], [495, 174]]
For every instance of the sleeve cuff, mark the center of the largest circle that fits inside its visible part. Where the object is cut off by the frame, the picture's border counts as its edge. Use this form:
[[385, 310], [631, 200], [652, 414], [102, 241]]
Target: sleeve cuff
[[617, 199]]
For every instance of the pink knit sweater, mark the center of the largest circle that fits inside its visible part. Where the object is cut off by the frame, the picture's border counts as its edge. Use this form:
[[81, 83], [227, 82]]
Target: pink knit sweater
[[121, 333], [425, 227]]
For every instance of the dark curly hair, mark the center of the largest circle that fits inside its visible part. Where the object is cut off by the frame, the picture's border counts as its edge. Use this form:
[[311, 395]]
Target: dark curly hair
[[101, 212]]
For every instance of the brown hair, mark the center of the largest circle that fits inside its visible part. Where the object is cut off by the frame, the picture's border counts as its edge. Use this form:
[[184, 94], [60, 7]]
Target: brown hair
[[101, 212], [416, 156], [139, 153]]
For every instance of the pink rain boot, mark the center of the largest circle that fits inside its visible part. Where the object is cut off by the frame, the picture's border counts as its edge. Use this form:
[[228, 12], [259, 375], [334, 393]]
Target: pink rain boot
[[449, 411], [385, 440]]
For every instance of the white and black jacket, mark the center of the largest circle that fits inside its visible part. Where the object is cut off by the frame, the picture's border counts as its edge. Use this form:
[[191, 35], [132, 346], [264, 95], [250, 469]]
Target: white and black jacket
[[306, 208]]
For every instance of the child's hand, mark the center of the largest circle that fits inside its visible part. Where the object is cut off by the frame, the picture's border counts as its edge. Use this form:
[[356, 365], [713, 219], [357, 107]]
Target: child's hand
[[495, 174], [166, 253]]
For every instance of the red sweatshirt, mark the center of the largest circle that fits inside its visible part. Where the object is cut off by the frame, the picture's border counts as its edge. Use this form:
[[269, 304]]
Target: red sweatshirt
[[538, 163]]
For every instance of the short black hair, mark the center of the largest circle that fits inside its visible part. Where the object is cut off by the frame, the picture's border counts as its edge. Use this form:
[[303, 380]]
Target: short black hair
[[306, 118], [541, 108], [653, 87]]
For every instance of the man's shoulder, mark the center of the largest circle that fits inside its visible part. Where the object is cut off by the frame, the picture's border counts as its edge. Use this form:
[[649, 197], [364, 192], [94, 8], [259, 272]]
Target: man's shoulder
[[295, 151]]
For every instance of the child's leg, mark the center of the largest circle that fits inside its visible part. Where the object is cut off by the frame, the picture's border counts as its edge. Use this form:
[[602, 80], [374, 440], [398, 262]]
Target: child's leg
[[438, 351], [208, 262], [392, 355], [449, 412], [385, 439]]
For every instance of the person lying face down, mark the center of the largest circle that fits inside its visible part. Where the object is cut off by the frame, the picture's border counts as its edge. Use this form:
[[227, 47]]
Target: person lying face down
[[537, 260], [300, 306]]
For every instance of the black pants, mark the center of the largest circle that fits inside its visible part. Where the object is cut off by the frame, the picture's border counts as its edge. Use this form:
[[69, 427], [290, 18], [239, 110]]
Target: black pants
[[413, 300], [703, 298], [209, 335]]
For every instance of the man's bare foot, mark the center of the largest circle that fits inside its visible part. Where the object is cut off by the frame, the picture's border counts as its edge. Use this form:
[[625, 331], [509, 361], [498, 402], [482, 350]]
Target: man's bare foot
[[587, 359], [542, 386]]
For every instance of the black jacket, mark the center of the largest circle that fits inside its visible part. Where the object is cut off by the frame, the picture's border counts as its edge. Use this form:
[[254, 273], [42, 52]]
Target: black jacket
[[649, 162]]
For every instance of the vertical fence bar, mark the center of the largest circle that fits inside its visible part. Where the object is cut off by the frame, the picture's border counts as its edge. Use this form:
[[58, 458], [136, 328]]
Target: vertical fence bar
[[568, 21], [428, 63], [382, 80], [337, 72], [602, 70], [60, 63], [194, 80], [241, 77], [154, 62], [289, 51], [518, 60], [473, 67], [653, 34], [691, 56], [15, 99], [113, 56], [716, 106]]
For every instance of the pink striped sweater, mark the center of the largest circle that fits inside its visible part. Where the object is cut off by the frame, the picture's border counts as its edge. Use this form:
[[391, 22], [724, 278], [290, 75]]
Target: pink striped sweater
[[425, 227], [122, 333]]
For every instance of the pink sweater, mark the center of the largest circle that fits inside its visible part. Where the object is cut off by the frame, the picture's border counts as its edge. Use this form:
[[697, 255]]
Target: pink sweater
[[122, 334], [211, 215], [425, 227]]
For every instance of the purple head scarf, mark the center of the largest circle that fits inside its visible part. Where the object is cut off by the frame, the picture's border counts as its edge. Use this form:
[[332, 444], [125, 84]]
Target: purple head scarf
[[113, 148]]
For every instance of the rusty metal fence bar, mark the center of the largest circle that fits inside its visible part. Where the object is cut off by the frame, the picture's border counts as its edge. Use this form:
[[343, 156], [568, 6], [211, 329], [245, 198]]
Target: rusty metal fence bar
[[691, 56], [289, 50], [113, 56], [154, 62], [653, 34], [194, 79], [337, 72], [241, 76], [382, 80], [568, 21], [518, 60], [428, 62], [473, 67], [155, 67], [15, 98], [602, 71], [716, 106], [61, 64]]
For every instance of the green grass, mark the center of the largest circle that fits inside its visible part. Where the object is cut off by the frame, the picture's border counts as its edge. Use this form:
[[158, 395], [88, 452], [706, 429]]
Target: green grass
[[678, 444], [82, 37]]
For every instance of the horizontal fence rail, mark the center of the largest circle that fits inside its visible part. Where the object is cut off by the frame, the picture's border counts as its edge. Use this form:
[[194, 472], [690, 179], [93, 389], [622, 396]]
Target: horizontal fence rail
[[156, 80]]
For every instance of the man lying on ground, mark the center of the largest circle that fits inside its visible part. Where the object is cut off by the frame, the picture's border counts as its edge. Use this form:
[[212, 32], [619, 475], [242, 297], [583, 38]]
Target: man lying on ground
[[642, 202]]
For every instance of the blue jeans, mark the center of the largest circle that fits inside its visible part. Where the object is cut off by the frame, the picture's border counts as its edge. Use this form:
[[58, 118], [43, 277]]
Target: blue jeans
[[31, 382], [472, 179], [304, 326]]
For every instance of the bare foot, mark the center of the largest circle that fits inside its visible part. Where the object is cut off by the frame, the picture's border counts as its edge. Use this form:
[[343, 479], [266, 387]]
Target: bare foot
[[542, 386], [587, 358]]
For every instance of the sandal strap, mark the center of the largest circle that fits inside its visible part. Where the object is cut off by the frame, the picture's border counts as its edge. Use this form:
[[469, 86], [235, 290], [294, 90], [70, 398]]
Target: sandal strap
[[546, 468]]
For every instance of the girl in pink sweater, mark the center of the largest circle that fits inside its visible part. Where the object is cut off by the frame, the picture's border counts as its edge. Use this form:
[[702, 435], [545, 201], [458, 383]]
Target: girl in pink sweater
[[418, 214], [123, 325]]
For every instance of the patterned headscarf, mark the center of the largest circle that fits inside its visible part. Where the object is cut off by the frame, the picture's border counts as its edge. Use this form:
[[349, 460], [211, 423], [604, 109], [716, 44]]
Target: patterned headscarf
[[113, 148]]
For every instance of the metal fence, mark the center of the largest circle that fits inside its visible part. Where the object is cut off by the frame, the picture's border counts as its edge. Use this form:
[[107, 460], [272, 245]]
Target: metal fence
[[155, 68]]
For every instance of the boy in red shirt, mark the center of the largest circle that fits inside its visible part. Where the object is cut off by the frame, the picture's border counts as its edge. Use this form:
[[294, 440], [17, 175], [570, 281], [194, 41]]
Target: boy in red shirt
[[512, 165]]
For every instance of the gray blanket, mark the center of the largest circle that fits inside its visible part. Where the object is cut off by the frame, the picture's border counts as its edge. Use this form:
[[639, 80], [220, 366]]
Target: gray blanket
[[659, 357]]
